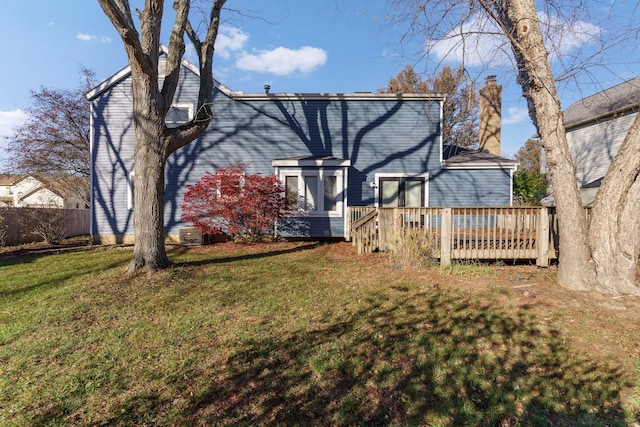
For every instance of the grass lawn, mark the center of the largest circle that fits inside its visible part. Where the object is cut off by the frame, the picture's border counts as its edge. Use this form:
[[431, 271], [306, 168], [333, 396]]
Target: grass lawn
[[306, 334]]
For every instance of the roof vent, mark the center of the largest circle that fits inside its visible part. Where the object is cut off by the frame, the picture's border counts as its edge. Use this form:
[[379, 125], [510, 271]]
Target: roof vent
[[267, 88]]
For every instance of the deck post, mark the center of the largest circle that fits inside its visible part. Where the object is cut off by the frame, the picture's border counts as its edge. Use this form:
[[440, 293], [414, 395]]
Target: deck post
[[445, 238], [542, 238]]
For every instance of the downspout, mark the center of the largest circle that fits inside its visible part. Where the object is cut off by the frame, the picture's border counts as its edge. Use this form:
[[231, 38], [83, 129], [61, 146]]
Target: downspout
[[92, 221]]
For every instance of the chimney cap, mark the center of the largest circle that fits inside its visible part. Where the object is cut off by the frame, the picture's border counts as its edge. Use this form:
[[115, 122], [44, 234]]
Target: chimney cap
[[490, 79], [267, 88]]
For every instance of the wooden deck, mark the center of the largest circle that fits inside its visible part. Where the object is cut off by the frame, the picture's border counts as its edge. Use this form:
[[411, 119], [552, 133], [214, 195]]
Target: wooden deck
[[483, 233]]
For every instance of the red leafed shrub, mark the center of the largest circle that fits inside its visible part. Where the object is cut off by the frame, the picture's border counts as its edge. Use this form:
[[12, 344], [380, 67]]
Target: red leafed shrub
[[231, 201]]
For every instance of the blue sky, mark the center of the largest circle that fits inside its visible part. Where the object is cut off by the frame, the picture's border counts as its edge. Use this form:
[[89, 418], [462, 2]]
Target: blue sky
[[293, 45]]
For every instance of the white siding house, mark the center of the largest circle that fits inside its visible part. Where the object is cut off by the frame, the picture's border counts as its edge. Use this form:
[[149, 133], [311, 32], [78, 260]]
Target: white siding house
[[596, 127], [35, 191]]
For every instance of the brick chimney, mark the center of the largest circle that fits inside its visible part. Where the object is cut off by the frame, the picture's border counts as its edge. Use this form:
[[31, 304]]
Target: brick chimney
[[490, 116]]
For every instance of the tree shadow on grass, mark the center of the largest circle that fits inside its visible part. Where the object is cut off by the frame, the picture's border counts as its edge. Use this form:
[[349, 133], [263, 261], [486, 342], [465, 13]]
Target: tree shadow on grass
[[244, 257], [449, 363], [400, 359]]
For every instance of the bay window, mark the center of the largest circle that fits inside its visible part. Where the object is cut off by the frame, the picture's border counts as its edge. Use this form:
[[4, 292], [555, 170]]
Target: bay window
[[314, 186]]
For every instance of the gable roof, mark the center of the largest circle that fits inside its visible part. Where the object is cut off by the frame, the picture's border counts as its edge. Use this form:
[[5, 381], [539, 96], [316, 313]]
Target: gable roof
[[126, 72], [456, 156], [10, 178], [615, 100]]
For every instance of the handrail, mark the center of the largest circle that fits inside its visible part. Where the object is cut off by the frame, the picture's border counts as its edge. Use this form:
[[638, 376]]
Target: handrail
[[364, 232]]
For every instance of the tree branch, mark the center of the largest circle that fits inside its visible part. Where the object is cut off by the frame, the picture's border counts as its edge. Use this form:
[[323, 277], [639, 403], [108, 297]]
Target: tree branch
[[176, 51], [205, 48], [119, 13]]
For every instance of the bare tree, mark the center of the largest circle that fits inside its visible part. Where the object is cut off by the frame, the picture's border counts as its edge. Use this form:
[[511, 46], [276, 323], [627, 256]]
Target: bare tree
[[55, 138], [154, 141], [600, 255], [46, 222]]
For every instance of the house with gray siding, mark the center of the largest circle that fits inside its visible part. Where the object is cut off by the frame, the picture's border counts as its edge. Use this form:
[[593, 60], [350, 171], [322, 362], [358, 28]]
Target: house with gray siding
[[332, 150], [596, 127]]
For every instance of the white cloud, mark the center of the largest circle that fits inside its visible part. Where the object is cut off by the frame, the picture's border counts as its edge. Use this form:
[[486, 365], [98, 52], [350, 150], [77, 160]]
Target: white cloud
[[230, 39], [9, 120], [90, 37], [85, 37], [515, 115], [476, 42], [283, 61], [484, 44]]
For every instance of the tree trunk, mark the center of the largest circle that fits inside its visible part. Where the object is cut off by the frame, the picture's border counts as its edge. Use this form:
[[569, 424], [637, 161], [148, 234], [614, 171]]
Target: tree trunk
[[154, 142], [614, 235], [520, 20], [149, 163]]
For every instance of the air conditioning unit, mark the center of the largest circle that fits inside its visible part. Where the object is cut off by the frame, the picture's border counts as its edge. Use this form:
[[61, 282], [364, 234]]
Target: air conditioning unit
[[190, 236]]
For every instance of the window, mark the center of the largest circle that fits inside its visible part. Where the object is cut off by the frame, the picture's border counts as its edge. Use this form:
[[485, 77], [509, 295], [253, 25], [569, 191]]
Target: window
[[291, 186], [315, 185], [330, 193], [314, 191], [179, 114], [401, 190]]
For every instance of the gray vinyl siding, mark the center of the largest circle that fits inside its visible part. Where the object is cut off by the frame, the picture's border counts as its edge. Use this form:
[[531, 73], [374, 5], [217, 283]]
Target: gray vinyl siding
[[594, 146], [377, 136], [112, 155], [470, 187]]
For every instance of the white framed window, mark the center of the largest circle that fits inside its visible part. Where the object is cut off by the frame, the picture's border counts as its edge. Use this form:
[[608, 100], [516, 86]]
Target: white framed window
[[314, 186], [315, 192], [179, 114]]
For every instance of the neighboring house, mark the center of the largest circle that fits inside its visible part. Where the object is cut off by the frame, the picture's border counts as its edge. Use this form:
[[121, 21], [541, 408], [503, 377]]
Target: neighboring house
[[7, 182], [596, 127], [332, 150], [31, 190]]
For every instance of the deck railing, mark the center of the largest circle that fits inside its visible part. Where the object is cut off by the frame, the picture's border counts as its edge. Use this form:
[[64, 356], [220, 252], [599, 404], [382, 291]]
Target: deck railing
[[482, 233], [364, 233]]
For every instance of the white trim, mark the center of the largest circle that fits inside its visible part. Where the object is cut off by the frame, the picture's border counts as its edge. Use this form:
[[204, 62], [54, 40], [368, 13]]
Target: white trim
[[357, 96], [480, 165], [511, 186], [327, 163], [319, 173], [377, 176], [126, 72], [441, 132], [345, 204], [91, 169], [117, 77], [131, 190], [183, 105]]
